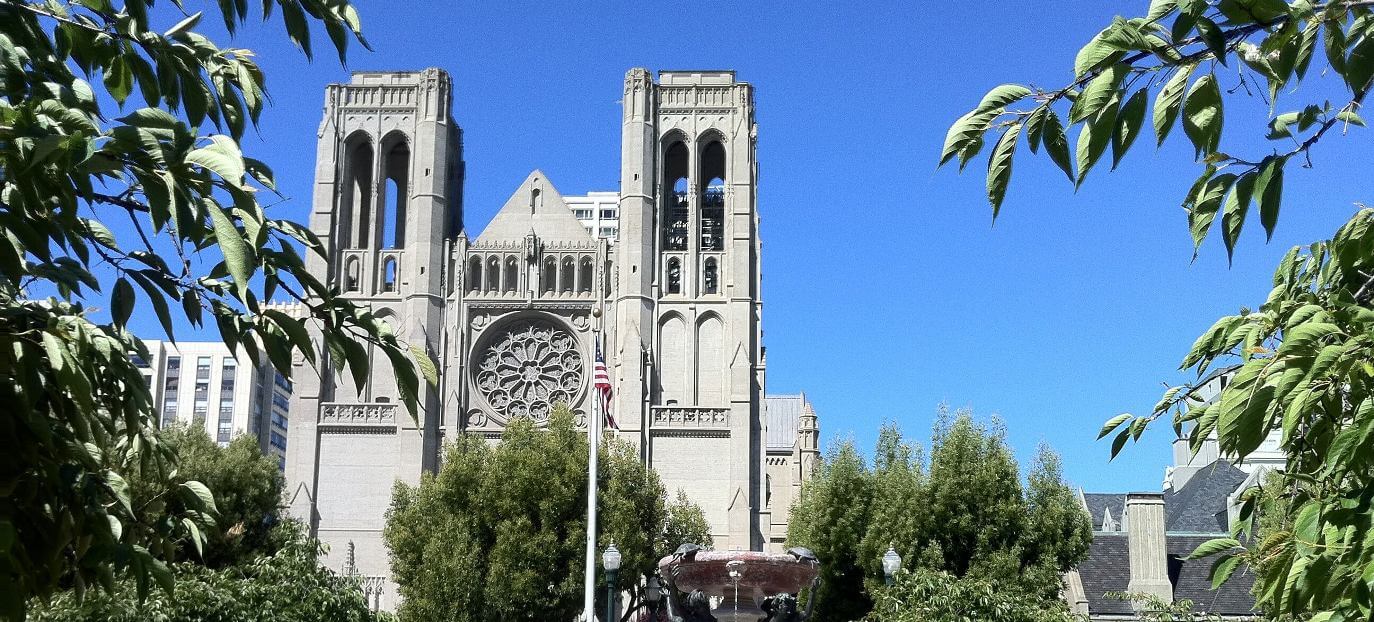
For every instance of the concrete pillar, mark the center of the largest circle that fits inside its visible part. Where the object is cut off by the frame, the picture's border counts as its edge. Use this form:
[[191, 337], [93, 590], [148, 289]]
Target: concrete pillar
[[1149, 564]]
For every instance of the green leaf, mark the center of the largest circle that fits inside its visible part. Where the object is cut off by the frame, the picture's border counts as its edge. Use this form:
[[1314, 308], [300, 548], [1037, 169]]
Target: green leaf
[[295, 330], [183, 25], [200, 496], [157, 298], [1214, 546], [1202, 115], [1099, 92], [120, 489], [1000, 97], [999, 167], [1233, 215], [1112, 424], [1169, 100], [357, 361], [1057, 144], [1093, 140], [1035, 128], [1128, 123], [222, 156], [965, 131], [1268, 193], [1359, 66], [1096, 53], [197, 538], [122, 302], [53, 350], [1334, 43], [119, 79], [1222, 569], [1212, 36], [1307, 524], [1304, 339], [425, 363], [238, 257]]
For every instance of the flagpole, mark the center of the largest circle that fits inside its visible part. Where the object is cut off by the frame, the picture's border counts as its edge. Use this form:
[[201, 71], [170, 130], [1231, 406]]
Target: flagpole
[[593, 436]]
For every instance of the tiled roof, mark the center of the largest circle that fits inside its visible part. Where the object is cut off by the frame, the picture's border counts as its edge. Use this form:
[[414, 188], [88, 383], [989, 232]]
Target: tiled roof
[[1108, 569], [1200, 505], [1099, 503], [782, 412]]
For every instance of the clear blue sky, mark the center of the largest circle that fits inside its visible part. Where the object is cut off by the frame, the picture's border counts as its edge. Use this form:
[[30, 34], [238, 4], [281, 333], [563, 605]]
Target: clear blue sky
[[887, 289]]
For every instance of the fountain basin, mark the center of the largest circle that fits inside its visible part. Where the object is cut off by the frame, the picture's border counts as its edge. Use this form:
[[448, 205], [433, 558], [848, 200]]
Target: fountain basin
[[742, 580]]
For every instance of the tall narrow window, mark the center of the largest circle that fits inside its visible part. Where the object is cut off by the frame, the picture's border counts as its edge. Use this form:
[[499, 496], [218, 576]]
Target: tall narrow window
[[494, 274], [228, 369], [713, 197], [584, 276], [536, 200], [389, 275], [397, 182], [356, 203], [550, 275], [170, 388], [675, 170], [201, 405], [475, 274], [566, 285], [674, 276], [710, 279], [512, 274], [352, 274]]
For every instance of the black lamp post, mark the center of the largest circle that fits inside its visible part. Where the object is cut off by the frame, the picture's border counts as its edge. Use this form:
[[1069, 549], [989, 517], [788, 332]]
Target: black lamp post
[[653, 593], [892, 562], [610, 560]]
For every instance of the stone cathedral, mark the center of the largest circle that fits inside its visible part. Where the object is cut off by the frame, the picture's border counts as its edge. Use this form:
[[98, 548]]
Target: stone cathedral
[[665, 273]]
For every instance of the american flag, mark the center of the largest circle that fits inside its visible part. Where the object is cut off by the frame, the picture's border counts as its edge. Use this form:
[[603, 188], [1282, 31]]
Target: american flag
[[601, 382]]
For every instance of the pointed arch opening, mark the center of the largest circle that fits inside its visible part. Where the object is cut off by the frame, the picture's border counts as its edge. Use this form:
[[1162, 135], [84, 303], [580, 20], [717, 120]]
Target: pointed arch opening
[[392, 215], [389, 275], [710, 277], [493, 274], [550, 275], [672, 381], [355, 204], [674, 276], [475, 274], [676, 168], [584, 276], [710, 361], [567, 275], [512, 274], [352, 274], [713, 197]]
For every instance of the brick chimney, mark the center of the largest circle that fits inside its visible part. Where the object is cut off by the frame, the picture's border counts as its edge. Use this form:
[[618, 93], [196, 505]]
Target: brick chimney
[[1145, 540]]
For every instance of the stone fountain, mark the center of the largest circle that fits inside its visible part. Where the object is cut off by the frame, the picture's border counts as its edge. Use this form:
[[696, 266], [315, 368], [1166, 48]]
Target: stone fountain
[[747, 586]]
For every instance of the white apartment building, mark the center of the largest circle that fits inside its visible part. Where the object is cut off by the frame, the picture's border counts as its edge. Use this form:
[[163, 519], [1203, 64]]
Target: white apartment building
[[202, 383], [599, 213]]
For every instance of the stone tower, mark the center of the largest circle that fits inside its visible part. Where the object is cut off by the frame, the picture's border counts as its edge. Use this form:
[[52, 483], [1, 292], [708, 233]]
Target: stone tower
[[387, 203], [687, 301]]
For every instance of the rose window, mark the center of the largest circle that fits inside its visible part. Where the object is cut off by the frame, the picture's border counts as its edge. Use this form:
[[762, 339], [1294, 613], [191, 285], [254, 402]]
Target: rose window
[[528, 368]]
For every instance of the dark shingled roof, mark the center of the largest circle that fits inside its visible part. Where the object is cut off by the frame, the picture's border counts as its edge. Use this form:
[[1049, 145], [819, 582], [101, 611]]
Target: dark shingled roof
[[1108, 569], [1200, 505], [1100, 502]]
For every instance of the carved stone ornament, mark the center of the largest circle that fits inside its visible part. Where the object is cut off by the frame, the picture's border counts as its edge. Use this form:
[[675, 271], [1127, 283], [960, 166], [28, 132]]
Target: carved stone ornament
[[524, 370], [580, 322], [480, 320], [477, 419]]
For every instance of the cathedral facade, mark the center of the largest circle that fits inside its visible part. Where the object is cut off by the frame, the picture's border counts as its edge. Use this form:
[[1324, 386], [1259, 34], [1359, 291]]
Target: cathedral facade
[[663, 275]]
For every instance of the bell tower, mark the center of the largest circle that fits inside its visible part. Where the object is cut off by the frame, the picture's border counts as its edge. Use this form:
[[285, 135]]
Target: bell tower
[[387, 205], [688, 294]]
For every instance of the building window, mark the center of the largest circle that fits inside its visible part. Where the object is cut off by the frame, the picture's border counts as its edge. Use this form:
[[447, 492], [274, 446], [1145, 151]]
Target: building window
[[674, 276], [582, 214], [171, 385], [226, 399], [475, 274], [550, 275], [675, 209], [512, 274], [353, 270], [710, 278], [608, 213], [713, 199], [493, 274], [584, 276], [567, 283], [389, 275], [201, 406], [609, 232]]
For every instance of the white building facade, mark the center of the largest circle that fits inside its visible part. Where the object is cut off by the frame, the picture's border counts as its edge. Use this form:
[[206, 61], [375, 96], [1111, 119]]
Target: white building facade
[[663, 275]]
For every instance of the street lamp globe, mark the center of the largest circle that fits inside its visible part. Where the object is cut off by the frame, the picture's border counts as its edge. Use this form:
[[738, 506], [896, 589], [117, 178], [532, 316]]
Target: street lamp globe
[[652, 591], [892, 562], [610, 559]]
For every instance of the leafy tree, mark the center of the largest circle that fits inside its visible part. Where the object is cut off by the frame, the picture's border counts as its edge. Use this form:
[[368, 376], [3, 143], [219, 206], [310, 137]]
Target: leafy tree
[[684, 522], [288, 585], [499, 532], [248, 496], [77, 412], [831, 518], [968, 517], [935, 596], [1300, 363]]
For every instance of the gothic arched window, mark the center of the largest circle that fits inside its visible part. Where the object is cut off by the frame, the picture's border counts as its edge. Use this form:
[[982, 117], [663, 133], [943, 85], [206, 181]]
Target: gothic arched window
[[352, 274], [674, 276], [494, 274], [584, 276], [713, 197], [710, 277], [512, 274], [389, 275], [676, 208], [550, 275], [475, 274], [566, 282], [397, 171]]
